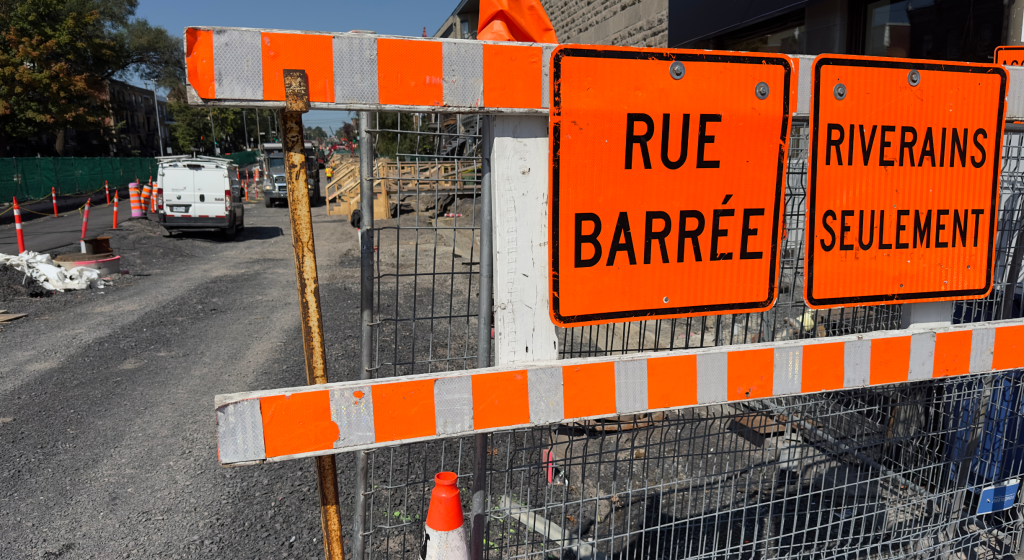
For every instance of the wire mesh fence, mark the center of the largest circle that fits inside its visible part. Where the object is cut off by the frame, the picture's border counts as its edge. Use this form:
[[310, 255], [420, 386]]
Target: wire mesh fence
[[874, 472], [428, 248]]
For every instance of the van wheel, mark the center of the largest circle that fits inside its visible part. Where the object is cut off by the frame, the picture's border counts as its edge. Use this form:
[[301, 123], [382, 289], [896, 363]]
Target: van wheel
[[268, 202], [230, 231]]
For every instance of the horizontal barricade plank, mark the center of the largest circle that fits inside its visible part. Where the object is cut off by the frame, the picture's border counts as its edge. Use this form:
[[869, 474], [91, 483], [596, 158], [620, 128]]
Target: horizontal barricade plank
[[353, 71], [324, 419], [242, 67]]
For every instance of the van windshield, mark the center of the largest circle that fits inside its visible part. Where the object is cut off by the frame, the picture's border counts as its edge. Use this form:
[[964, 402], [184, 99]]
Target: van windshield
[[276, 162]]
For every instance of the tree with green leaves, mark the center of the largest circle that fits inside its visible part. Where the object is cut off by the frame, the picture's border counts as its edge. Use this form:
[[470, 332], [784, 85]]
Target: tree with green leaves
[[56, 55], [348, 131], [194, 127], [314, 134], [401, 145]]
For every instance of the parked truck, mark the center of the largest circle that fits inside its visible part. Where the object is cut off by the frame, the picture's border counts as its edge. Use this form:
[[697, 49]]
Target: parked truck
[[275, 184]]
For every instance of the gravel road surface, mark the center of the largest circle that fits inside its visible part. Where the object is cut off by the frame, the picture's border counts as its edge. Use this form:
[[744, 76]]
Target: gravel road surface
[[106, 398]]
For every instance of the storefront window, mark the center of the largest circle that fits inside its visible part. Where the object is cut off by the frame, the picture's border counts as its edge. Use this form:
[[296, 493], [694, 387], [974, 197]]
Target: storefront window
[[965, 30], [888, 29], [789, 41]]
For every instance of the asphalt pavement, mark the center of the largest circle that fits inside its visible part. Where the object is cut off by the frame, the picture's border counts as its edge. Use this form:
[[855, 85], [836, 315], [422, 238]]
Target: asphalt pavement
[[107, 425], [45, 234]]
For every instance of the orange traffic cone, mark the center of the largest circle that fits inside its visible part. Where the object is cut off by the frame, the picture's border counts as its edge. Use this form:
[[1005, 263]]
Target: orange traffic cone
[[444, 536]]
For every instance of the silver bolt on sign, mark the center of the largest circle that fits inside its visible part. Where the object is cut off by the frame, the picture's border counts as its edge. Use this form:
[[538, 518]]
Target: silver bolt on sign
[[839, 91], [914, 78], [761, 90], [677, 70]]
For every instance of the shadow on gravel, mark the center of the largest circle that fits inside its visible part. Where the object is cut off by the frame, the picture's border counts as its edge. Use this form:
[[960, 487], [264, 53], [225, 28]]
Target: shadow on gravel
[[250, 233], [259, 233]]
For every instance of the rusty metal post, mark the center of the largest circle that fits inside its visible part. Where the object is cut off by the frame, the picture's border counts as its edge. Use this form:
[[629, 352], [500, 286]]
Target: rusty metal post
[[296, 88]]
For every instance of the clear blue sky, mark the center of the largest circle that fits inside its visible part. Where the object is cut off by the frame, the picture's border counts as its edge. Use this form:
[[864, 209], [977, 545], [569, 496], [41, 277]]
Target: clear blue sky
[[387, 17]]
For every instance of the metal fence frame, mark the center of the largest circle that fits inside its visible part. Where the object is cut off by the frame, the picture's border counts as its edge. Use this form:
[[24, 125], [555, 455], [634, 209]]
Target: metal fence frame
[[588, 489]]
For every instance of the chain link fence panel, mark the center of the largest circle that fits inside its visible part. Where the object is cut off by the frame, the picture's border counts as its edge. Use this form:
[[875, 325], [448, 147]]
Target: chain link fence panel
[[869, 473]]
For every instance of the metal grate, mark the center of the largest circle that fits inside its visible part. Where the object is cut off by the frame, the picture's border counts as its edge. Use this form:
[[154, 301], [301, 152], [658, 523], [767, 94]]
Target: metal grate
[[874, 472], [428, 246], [863, 473]]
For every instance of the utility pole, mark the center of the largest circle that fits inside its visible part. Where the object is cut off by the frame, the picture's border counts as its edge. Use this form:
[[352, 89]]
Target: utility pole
[[259, 139], [159, 130], [216, 151], [246, 128]]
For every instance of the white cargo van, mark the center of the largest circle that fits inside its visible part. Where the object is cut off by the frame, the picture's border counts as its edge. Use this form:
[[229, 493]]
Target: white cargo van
[[199, 192]]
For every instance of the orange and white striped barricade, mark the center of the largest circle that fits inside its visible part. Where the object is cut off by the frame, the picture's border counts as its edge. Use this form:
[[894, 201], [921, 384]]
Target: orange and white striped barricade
[[17, 227], [444, 538], [429, 74], [284, 424], [152, 198], [135, 200]]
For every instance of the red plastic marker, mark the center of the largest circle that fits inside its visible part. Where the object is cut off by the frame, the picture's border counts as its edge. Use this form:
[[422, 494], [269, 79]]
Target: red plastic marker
[[53, 194], [106, 188]]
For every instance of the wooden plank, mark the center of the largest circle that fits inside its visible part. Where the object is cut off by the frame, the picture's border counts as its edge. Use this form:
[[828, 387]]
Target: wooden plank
[[12, 317], [523, 331]]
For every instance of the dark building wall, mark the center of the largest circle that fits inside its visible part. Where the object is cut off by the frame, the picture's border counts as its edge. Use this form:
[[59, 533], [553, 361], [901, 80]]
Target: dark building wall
[[963, 30]]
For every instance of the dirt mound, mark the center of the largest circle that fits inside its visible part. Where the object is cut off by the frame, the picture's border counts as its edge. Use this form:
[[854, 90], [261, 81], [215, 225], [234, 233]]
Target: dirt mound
[[142, 225], [15, 284]]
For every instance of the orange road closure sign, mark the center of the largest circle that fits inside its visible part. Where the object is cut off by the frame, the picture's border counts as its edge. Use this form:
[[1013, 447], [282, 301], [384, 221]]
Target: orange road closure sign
[[1009, 56], [903, 180], [667, 178]]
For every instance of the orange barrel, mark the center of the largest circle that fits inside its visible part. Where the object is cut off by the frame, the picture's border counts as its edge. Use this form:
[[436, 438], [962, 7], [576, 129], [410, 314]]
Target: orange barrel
[[136, 200], [147, 190]]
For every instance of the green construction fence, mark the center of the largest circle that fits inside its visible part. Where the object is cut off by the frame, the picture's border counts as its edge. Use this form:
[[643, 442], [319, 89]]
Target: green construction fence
[[243, 158], [33, 178]]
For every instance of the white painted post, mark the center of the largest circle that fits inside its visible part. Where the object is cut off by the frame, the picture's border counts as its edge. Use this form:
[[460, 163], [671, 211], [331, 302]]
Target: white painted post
[[927, 314], [523, 331]]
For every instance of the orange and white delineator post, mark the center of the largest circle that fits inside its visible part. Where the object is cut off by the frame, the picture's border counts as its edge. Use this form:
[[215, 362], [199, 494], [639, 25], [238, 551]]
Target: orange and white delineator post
[[106, 189], [152, 198], [85, 223], [444, 538], [53, 195], [17, 227], [115, 210]]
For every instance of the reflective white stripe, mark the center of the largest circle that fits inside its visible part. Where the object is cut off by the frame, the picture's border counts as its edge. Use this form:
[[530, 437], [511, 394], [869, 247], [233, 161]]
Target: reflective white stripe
[[445, 545]]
